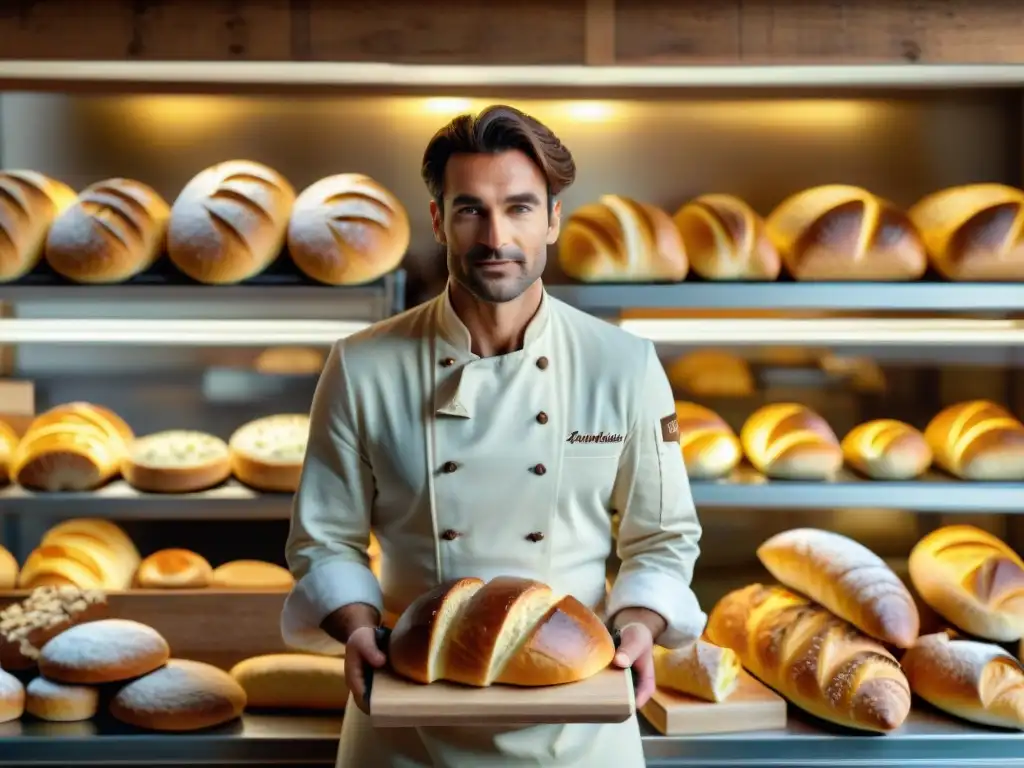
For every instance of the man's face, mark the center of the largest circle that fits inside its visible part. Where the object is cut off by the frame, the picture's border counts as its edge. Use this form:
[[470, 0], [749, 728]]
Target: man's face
[[495, 223]]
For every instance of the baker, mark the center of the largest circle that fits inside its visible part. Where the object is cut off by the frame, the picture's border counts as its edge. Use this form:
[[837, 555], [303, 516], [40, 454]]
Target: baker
[[492, 431]]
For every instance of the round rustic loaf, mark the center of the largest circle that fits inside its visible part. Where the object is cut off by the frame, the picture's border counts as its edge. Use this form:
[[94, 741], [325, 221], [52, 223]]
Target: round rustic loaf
[[104, 651]]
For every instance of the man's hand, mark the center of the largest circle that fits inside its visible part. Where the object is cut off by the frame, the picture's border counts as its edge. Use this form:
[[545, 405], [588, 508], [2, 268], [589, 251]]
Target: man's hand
[[361, 649], [637, 629]]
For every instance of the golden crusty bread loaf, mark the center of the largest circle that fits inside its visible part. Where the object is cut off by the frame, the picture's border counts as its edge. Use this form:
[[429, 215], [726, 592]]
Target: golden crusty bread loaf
[[977, 440], [347, 229], [251, 574], [103, 651], [8, 445], [711, 373], [978, 682], [293, 681], [618, 239], [229, 222], [510, 630], [176, 461], [26, 626], [847, 578], [267, 453], [726, 239], [12, 697], [700, 669], [972, 579], [29, 203], [116, 229], [791, 441], [174, 569], [973, 231], [710, 447], [887, 449], [842, 232], [819, 662], [8, 569], [87, 553]]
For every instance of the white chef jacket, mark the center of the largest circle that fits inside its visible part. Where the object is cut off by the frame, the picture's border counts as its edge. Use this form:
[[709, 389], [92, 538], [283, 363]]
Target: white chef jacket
[[505, 465]]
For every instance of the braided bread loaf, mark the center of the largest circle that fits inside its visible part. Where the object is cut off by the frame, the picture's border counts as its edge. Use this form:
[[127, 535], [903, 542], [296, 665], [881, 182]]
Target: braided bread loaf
[[790, 441], [710, 448], [887, 449], [977, 440], [725, 239]]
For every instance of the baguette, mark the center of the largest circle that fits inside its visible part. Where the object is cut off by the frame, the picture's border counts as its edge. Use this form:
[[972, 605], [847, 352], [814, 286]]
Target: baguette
[[710, 448], [725, 239], [790, 441], [978, 440], [701, 669], [887, 449], [29, 203]]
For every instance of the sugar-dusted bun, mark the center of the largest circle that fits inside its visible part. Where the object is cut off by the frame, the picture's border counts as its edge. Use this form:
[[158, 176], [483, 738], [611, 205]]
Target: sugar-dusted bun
[[8, 570], [8, 445], [347, 229], [181, 696], [229, 222], [790, 441], [974, 231], [29, 203], [267, 453], [251, 574], [174, 569], [26, 626], [710, 447], [104, 651], [887, 449], [177, 461], [293, 681], [60, 703], [115, 230], [12, 697], [842, 232], [618, 239], [725, 239], [711, 373], [978, 440]]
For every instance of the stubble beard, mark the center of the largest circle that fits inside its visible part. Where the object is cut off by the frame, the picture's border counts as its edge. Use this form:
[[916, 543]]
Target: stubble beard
[[494, 290]]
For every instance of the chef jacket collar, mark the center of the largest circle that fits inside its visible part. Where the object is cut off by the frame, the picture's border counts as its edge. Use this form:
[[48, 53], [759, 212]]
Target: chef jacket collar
[[456, 333]]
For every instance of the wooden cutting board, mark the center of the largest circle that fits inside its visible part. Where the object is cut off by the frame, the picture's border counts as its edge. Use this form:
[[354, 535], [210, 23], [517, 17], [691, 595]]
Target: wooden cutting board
[[753, 706], [607, 697]]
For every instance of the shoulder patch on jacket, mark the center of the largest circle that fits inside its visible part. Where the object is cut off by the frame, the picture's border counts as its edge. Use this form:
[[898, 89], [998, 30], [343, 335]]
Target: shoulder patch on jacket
[[670, 429]]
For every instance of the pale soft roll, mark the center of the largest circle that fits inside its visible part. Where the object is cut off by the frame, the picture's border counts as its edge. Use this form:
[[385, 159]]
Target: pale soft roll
[[790, 441], [251, 574], [971, 579], [8, 445], [267, 453], [116, 229], [974, 231], [174, 569], [12, 697], [701, 669], [177, 461], [29, 203], [711, 373], [229, 222], [887, 449], [725, 239], [104, 651], [26, 626], [293, 681], [347, 229], [847, 578], [710, 447], [60, 703], [842, 232], [819, 662], [621, 240], [978, 440]]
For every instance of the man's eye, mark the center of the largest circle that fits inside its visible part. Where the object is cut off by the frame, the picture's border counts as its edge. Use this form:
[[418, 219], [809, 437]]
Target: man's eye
[[469, 211], [520, 209]]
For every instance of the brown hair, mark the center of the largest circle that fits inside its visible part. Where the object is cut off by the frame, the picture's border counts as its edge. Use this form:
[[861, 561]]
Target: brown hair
[[499, 128]]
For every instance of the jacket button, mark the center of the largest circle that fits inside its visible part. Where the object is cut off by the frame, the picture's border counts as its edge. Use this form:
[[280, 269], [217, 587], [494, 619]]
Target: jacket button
[[542, 363], [448, 362], [540, 469], [542, 418], [450, 535], [536, 536], [450, 466]]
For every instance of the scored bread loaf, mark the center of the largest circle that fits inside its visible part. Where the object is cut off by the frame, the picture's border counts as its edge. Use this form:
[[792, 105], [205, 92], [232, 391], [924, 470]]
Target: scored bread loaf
[[887, 449], [973, 231], [60, 703], [843, 232], [972, 579], [116, 229], [86, 553], [710, 447], [267, 453], [819, 662], [229, 222], [293, 681], [978, 682], [8, 569], [847, 578], [103, 651], [347, 229], [177, 461], [29, 203], [26, 626], [8, 445], [174, 569], [617, 239], [725, 239], [791, 441], [711, 373], [700, 669], [251, 574], [977, 440], [12, 697], [510, 630]]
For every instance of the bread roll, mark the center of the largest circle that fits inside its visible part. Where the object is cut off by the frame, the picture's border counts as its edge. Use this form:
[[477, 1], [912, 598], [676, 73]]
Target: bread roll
[[710, 448], [974, 231], [29, 202], [509, 630], [978, 440], [181, 696], [790, 441], [8, 570], [887, 449], [104, 651], [701, 669], [841, 232], [819, 662], [293, 681], [847, 578], [108, 532], [26, 626], [725, 239], [229, 222], [972, 579], [12, 697], [87, 553], [347, 229], [978, 682], [267, 453], [290, 361], [251, 574], [621, 240], [8, 445], [174, 569], [711, 373], [177, 461], [59, 703], [115, 230]]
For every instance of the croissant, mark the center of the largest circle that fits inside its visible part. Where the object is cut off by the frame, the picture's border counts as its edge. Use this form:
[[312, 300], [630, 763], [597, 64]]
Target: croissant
[[725, 239], [790, 441], [977, 440], [887, 449], [509, 630], [818, 661], [710, 448]]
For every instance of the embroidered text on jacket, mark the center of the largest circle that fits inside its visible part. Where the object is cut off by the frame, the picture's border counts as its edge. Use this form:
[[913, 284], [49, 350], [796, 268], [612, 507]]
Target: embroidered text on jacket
[[600, 437]]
